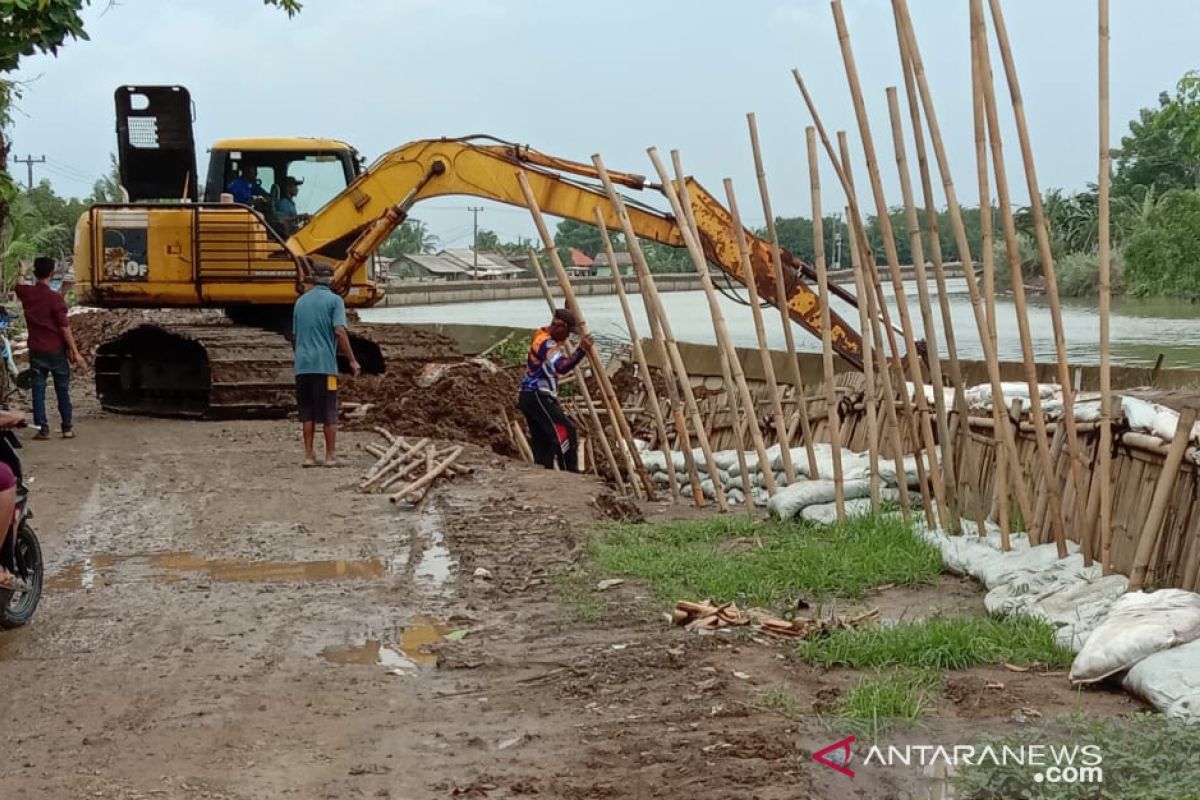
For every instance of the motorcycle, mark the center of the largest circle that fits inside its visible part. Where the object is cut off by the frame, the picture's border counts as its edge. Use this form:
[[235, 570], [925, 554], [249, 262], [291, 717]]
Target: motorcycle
[[21, 553]]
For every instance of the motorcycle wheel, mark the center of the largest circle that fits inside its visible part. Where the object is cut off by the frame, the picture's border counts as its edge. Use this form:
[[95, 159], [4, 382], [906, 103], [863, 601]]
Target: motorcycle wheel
[[16, 608]]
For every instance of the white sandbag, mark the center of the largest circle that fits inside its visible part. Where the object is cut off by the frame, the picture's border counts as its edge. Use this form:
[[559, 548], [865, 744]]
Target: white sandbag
[[826, 513], [887, 471], [1013, 565], [726, 459], [1088, 411], [980, 397], [1166, 421], [790, 500], [1169, 680], [735, 496], [1139, 414], [761, 498], [1138, 625]]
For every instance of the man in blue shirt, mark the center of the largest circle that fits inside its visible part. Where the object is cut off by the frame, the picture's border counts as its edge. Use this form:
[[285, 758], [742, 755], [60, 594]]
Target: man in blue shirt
[[319, 328], [285, 207], [245, 186]]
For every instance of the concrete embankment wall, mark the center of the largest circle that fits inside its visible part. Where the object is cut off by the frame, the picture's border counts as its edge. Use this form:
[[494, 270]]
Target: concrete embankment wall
[[1137, 465], [440, 292]]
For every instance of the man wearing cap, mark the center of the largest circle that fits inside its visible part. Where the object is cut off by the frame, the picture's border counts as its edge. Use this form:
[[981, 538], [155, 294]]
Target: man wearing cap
[[285, 207], [318, 322], [553, 438]]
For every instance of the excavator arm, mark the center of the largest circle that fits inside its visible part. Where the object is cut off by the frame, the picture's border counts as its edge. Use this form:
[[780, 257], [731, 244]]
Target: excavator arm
[[378, 201]]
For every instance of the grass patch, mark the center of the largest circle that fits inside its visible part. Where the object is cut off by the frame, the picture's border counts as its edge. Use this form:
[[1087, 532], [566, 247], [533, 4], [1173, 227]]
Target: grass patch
[[880, 702], [766, 563], [941, 643], [780, 700], [1146, 756], [577, 594]]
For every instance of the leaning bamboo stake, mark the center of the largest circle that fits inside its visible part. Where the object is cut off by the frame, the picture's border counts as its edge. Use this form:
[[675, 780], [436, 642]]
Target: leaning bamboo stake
[[781, 295], [760, 331], [639, 357], [939, 272], [905, 30], [861, 247], [429, 477], [1047, 257], [870, 397], [536, 265], [931, 334], [987, 257], [607, 395], [677, 196], [522, 443], [925, 430], [876, 303], [1105, 293], [831, 404], [658, 316], [1054, 508], [1162, 495]]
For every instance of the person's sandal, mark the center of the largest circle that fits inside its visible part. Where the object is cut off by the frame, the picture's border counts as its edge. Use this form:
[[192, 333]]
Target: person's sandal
[[67, 434], [42, 435]]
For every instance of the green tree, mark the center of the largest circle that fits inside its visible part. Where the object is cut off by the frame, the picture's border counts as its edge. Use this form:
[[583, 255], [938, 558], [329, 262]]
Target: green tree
[[411, 238], [1163, 255], [1162, 149]]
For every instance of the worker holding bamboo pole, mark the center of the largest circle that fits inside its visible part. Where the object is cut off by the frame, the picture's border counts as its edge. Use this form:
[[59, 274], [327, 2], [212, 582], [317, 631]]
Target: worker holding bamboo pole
[[552, 433]]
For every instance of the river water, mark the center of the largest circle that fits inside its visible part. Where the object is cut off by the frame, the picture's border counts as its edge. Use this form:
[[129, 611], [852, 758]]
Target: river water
[[1140, 330]]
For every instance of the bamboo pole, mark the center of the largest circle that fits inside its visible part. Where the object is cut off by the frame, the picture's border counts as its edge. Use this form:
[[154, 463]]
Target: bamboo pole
[[639, 357], [878, 306], [931, 334], [939, 272], [684, 217], [584, 391], [1105, 294], [870, 397], [904, 29], [1054, 508], [1162, 495], [727, 357], [1047, 257], [650, 293], [760, 331], [869, 281], [781, 296], [925, 430], [987, 256], [608, 396], [831, 406]]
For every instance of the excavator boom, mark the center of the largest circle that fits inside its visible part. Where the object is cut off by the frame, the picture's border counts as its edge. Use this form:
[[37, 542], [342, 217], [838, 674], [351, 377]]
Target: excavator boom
[[378, 200]]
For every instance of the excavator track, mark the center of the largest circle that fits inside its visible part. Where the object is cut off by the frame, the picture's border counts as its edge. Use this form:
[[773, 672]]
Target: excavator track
[[220, 370]]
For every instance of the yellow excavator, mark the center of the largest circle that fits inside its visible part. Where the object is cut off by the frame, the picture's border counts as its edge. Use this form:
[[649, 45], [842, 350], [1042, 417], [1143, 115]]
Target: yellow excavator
[[174, 242]]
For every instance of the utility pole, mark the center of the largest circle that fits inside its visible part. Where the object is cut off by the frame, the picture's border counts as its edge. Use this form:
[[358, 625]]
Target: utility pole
[[29, 161], [475, 237]]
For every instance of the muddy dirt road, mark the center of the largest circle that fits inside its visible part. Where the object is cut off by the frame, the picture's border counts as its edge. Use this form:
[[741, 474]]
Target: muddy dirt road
[[223, 624]]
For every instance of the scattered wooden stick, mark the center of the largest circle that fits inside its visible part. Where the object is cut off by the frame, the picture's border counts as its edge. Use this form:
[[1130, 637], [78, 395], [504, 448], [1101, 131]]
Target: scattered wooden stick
[[428, 478]]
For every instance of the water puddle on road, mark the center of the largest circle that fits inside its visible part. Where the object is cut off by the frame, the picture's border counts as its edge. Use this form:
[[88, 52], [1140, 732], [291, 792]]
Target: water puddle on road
[[100, 570], [435, 563], [410, 652]]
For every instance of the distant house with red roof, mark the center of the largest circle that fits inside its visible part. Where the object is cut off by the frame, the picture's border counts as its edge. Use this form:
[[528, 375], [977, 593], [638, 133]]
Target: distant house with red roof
[[581, 265]]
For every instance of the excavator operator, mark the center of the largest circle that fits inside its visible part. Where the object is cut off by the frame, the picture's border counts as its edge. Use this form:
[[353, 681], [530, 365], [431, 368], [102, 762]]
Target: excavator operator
[[552, 434], [245, 187]]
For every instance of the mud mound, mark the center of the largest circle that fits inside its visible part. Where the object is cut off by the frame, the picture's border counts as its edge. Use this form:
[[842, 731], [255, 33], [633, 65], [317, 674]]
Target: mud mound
[[465, 400], [94, 326]]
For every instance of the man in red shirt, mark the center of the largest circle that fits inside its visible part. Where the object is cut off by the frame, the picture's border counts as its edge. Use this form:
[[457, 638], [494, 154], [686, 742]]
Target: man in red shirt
[[50, 345]]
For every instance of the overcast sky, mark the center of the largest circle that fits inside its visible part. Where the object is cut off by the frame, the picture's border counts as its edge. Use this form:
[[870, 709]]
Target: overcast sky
[[574, 78]]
